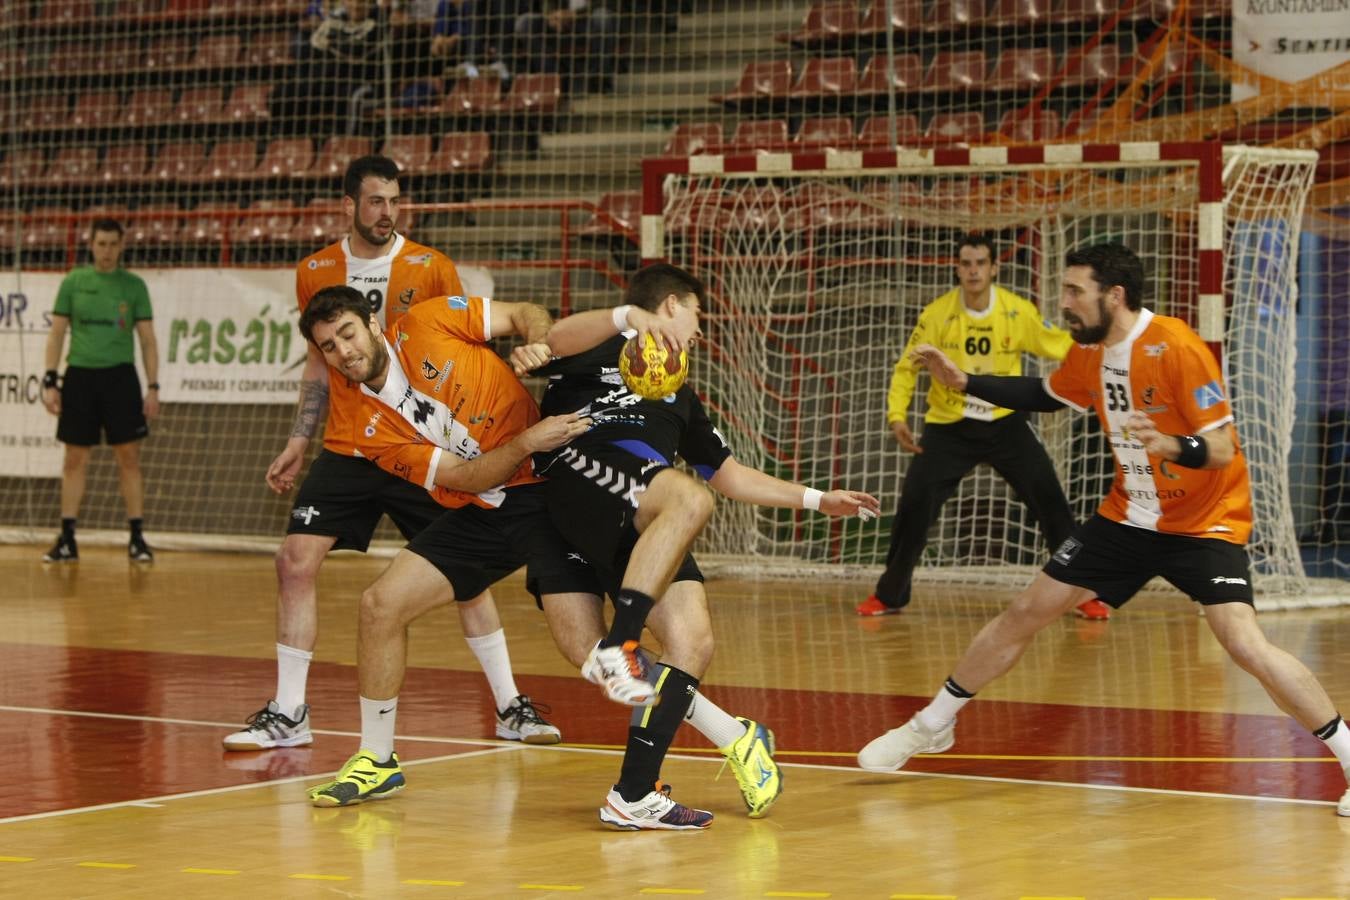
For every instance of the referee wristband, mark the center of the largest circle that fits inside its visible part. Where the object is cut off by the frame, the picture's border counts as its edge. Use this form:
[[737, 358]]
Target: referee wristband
[[811, 498], [152, 386], [1194, 451], [621, 317], [49, 378]]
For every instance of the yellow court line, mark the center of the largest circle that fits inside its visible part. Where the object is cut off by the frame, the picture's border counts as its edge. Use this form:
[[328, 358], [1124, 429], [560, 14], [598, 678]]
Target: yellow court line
[[16, 859], [1051, 898], [672, 891], [1180, 898], [551, 887], [305, 876], [437, 882], [192, 870], [103, 865], [923, 897], [796, 894]]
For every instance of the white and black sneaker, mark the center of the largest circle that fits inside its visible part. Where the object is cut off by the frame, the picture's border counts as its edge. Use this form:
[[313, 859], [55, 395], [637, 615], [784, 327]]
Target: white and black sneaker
[[64, 550], [138, 551], [269, 728], [521, 721]]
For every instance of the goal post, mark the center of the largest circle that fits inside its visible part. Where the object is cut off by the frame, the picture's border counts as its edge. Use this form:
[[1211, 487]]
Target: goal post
[[818, 265]]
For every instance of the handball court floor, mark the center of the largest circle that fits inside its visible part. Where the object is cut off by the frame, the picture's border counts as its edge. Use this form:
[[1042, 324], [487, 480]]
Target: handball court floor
[[1126, 759]]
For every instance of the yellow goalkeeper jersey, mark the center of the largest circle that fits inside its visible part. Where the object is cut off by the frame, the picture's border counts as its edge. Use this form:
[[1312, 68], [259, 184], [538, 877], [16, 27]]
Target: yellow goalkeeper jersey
[[981, 343]]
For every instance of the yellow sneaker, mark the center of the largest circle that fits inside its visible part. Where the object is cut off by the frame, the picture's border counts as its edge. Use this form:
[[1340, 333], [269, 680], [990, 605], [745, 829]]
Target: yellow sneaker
[[751, 759], [361, 779]]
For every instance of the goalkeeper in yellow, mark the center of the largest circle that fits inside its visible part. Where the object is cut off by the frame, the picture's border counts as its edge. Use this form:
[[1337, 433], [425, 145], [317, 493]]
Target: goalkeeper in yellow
[[985, 329]]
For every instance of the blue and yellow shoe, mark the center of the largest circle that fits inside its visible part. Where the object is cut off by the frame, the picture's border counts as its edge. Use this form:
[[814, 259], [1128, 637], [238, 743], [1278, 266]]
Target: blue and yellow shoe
[[751, 759], [361, 779]]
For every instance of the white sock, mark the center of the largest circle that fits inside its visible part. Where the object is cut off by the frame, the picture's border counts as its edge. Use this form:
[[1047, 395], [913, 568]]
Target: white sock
[[292, 673], [1339, 744], [713, 722], [942, 710], [377, 727], [496, 662]]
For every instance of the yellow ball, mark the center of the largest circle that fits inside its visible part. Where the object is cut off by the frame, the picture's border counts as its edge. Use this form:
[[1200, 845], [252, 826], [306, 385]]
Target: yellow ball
[[651, 371]]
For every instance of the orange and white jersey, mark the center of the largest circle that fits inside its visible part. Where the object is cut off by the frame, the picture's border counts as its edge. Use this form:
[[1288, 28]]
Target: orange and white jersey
[[408, 274], [447, 391], [1164, 370]]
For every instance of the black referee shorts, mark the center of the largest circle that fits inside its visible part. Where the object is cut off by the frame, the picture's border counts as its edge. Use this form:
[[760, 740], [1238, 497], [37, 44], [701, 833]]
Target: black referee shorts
[[101, 403]]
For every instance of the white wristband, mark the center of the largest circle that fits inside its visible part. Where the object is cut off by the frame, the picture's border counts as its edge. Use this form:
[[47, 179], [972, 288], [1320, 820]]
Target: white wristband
[[811, 498], [621, 317]]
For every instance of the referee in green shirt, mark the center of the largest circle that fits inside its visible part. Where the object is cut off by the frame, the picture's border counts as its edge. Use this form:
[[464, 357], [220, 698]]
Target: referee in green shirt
[[99, 398]]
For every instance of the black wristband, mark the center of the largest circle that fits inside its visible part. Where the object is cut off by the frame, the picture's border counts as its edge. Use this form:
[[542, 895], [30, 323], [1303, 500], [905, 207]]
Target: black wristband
[[1194, 451], [49, 378], [152, 386]]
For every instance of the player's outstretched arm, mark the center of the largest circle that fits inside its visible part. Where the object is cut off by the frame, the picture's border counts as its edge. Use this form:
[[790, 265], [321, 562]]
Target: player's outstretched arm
[[281, 474], [580, 332], [940, 366], [762, 489], [498, 464], [1212, 449], [1024, 392]]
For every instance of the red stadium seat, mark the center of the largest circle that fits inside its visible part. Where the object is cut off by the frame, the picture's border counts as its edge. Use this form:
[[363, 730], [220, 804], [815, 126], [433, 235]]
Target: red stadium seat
[[12, 60], [1083, 11], [336, 153], [690, 138], [533, 94], [461, 151], [248, 103], [124, 164], [24, 167], [827, 22], [46, 111], [117, 58], [73, 165], [96, 109], [1034, 128], [168, 53], [274, 225], [906, 75], [834, 131], [956, 14], [906, 15], [148, 230], [1022, 68], [204, 228], [622, 212], [876, 130], [148, 107], [1101, 63], [72, 58], [322, 222], [759, 134], [766, 80], [815, 205], [1020, 13], [268, 49], [178, 162], [217, 51], [64, 12], [834, 77], [473, 97], [230, 161], [412, 152], [954, 70], [286, 158], [49, 228], [952, 128], [199, 105]]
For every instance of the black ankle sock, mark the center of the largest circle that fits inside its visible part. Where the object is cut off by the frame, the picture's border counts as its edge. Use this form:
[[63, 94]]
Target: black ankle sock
[[1328, 729], [651, 731], [135, 526], [68, 528], [630, 614], [956, 690]]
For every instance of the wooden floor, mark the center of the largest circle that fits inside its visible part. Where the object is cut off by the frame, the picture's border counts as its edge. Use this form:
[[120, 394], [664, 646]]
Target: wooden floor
[[1126, 759]]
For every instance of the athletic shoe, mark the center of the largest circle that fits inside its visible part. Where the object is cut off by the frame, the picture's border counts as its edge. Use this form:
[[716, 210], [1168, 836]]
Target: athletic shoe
[[64, 550], [521, 721], [1343, 808], [874, 607], [620, 671], [269, 727], [894, 748], [751, 759], [137, 551], [1093, 609], [361, 779], [656, 812]]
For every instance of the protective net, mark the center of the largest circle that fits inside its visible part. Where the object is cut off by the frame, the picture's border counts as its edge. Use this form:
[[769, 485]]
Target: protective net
[[818, 271]]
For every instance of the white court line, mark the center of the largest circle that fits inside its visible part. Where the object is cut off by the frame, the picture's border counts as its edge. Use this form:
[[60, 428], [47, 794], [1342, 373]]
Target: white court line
[[493, 747]]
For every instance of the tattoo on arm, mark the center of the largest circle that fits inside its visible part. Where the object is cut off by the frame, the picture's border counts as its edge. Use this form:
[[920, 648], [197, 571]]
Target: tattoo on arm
[[313, 403]]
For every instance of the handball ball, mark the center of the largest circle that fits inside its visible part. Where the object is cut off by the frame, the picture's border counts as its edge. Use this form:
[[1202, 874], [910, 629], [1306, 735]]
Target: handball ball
[[650, 370]]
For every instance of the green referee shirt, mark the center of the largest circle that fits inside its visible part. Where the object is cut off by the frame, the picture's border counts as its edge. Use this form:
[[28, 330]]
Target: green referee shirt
[[103, 308]]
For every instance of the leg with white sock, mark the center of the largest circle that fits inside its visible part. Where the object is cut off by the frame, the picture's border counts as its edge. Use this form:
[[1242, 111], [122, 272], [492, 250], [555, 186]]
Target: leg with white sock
[[519, 718]]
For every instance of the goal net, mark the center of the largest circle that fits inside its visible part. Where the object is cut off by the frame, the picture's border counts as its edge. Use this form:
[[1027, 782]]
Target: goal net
[[819, 264]]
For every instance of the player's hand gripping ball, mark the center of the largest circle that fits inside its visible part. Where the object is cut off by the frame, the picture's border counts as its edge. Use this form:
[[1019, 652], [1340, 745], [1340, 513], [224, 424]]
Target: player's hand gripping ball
[[651, 370]]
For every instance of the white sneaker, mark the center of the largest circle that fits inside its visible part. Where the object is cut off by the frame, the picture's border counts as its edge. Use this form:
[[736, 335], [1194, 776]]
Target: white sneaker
[[656, 812], [622, 672], [521, 721], [894, 748], [269, 728], [1343, 808]]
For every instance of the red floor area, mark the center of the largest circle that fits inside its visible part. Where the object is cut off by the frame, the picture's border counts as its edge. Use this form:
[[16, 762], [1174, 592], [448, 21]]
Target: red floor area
[[72, 761]]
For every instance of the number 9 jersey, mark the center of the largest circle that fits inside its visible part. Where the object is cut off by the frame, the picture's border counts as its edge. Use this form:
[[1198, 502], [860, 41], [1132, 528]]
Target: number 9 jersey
[[407, 275]]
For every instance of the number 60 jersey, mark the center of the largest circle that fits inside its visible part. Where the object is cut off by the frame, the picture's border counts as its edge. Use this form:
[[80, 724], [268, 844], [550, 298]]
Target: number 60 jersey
[[408, 274]]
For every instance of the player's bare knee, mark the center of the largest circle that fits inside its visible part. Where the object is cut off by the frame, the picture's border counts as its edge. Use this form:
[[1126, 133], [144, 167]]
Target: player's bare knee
[[380, 608]]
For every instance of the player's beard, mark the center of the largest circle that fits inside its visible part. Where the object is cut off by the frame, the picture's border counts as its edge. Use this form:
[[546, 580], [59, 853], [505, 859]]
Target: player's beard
[[369, 235], [377, 359], [1090, 334]]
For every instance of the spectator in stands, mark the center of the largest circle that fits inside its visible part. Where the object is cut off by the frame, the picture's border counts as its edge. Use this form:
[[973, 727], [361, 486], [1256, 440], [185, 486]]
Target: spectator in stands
[[105, 308], [575, 38], [343, 62]]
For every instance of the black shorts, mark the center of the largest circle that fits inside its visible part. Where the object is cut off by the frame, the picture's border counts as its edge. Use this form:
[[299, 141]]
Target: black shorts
[[475, 547], [1117, 560], [344, 497], [101, 403]]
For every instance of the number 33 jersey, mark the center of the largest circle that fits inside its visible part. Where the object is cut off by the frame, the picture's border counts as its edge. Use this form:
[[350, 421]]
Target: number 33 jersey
[[1164, 370], [408, 274]]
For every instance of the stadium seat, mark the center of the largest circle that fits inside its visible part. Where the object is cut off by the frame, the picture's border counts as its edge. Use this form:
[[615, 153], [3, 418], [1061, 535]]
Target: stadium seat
[[533, 94], [1030, 129], [321, 223], [833, 131], [816, 205], [1101, 63], [412, 152], [473, 97], [335, 154], [167, 54], [217, 51], [1019, 13], [760, 81], [149, 231], [827, 22], [956, 70], [690, 138], [617, 214], [952, 128], [268, 49], [178, 162], [286, 158], [203, 228], [73, 165], [1022, 68], [124, 164], [71, 58], [273, 223], [956, 14], [197, 106], [48, 228], [461, 151], [96, 109], [876, 130], [230, 161], [1073, 12], [12, 60], [46, 111], [24, 167], [906, 74], [248, 103], [831, 77], [117, 58], [65, 12], [759, 134], [755, 208], [148, 107], [906, 15]]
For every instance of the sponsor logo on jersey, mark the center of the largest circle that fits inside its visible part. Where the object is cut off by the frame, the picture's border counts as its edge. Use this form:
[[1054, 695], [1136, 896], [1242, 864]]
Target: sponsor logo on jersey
[[458, 302], [370, 426], [1155, 349], [325, 263], [418, 259], [445, 373], [1208, 395], [368, 279], [406, 297]]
